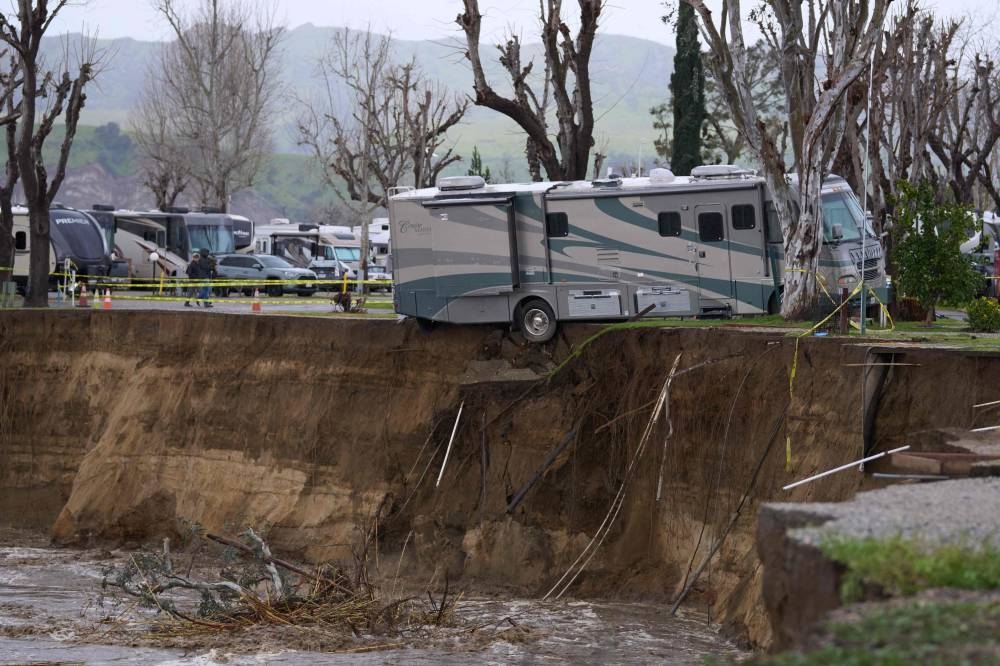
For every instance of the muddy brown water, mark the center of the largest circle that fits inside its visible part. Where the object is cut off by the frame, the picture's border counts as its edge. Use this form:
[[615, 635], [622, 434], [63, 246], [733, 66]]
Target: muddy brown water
[[51, 612]]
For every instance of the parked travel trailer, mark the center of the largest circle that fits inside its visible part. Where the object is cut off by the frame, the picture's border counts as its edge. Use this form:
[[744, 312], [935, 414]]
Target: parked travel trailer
[[73, 236], [537, 253], [133, 236]]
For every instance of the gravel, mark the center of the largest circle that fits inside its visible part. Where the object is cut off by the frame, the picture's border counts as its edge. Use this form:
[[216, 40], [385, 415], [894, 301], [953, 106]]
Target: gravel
[[965, 511]]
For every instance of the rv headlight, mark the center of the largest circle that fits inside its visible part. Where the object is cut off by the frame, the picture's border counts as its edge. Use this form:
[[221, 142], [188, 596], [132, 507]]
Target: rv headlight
[[846, 280]]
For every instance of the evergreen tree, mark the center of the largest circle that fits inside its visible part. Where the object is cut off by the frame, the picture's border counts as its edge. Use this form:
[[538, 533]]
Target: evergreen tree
[[476, 165], [687, 89]]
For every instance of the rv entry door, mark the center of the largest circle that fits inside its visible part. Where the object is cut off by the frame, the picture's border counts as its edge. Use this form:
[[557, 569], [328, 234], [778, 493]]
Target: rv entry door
[[714, 278], [474, 248]]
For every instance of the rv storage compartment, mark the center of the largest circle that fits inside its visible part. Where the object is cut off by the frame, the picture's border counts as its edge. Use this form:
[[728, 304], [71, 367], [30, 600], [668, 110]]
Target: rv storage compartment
[[666, 301], [595, 303]]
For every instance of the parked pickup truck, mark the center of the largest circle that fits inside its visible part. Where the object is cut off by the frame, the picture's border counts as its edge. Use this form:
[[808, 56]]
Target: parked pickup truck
[[274, 275]]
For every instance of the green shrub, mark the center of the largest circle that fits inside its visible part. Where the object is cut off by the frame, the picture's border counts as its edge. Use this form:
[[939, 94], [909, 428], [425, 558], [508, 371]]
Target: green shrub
[[984, 315], [930, 265]]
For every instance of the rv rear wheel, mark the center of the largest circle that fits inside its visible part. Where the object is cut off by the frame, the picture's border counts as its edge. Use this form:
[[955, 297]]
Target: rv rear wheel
[[536, 320]]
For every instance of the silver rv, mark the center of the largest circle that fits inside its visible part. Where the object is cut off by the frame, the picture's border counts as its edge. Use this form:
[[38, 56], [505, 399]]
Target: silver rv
[[537, 253]]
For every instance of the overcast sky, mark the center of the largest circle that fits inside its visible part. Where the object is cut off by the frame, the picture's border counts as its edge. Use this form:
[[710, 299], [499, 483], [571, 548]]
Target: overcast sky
[[424, 19]]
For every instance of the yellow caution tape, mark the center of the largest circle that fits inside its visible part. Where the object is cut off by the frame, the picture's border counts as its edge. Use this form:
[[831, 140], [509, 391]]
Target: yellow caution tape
[[819, 279], [182, 283]]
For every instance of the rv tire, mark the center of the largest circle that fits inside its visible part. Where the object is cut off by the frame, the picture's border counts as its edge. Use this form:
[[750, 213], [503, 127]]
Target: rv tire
[[274, 289], [774, 303], [426, 325], [536, 320]]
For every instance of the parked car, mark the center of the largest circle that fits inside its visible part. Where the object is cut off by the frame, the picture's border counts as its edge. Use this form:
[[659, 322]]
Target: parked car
[[265, 268], [376, 272]]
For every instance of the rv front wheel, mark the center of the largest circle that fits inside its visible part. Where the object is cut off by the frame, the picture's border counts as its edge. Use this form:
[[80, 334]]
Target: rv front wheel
[[536, 320]]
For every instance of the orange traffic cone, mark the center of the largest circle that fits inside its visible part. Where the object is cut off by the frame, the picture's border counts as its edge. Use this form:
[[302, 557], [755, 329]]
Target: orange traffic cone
[[107, 299], [82, 303], [255, 304]]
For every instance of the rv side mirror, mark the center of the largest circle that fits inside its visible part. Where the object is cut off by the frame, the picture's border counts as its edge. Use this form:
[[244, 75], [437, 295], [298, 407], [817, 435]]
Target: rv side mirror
[[154, 257], [258, 266], [837, 232]]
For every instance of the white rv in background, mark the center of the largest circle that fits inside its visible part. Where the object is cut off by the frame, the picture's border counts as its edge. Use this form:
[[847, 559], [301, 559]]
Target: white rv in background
[[299, 244], [378, 242]]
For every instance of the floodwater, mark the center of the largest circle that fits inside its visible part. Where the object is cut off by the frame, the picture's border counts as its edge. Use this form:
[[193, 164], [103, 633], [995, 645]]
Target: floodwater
[[51, 612]]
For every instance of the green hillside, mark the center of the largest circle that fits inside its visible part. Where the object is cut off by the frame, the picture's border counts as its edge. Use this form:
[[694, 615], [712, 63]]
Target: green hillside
[[629, 76]]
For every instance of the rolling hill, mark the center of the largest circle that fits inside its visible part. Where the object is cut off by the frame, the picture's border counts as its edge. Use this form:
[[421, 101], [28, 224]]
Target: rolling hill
[[629, 75]]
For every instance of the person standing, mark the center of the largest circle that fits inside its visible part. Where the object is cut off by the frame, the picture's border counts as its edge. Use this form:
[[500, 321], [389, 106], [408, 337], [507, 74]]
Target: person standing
[[208, 272], [194, 272]]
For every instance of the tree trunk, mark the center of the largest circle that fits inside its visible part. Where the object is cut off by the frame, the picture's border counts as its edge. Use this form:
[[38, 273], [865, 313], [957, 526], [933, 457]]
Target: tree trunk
[[38, 283], [802, 241], [931, 315], [6, 239]]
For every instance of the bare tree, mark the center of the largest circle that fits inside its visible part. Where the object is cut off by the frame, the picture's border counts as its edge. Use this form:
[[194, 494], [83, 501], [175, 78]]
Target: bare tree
[[46, 95], [841, 33], [721, 140], [379, 117], [218, 85], [912, 88], [10, 82], [377, 125], [969, 135], [565, 82], [166, 164]]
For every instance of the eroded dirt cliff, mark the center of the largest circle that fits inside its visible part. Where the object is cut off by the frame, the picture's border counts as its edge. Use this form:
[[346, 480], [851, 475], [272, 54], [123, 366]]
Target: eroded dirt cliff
[[124, 425]]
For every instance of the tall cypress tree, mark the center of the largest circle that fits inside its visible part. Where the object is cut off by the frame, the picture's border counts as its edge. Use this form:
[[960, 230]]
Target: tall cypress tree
[[687, 89]]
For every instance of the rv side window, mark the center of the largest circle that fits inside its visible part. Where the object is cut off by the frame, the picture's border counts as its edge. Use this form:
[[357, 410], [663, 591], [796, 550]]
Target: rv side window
[[21, 240], [744, 217], [556, 224], [773, 226], [710, 227], [669, 223]]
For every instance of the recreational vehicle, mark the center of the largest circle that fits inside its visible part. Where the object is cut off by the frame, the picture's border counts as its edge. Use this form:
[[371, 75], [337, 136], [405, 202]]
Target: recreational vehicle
[[299, 244], [73, 236], [173, 236], [342, 244], [133, 236], [537, 253], [378, 242]]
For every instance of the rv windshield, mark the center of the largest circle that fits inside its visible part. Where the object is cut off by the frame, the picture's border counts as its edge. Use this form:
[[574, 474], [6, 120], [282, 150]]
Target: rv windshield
[[841, 208], [348, 253], [298, 251], [216, 237]]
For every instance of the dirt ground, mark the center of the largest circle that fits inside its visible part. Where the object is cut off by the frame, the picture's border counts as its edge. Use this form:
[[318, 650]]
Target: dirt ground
[[123, 428]]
